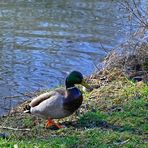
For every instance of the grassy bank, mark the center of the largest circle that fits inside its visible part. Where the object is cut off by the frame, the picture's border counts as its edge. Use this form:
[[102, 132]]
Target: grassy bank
[[114, 114]]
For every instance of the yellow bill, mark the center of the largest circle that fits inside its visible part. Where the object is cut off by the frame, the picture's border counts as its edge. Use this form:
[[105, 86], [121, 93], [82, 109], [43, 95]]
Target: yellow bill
[[86, 85]]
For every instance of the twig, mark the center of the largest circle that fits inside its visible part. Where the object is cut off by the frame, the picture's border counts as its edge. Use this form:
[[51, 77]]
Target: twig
[[96, 66], [15, 129], [137, 9], [104, 48], [122, 142], [137, 15]]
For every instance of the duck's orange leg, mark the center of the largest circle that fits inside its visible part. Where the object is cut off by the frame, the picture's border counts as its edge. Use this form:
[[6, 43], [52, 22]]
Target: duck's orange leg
[[50, 123]]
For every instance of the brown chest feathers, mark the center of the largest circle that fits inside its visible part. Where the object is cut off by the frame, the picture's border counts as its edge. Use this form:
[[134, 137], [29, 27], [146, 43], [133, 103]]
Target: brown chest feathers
[[73, 100]]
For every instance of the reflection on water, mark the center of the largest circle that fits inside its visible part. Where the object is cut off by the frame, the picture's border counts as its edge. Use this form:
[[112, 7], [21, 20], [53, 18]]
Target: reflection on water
[[40, 41]]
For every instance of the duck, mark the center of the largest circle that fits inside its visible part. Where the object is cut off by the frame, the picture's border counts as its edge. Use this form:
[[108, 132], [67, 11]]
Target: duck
[[61, 102]]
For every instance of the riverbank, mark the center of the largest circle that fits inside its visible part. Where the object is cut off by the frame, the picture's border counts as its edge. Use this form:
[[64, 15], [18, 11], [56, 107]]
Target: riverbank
[[114, 114]]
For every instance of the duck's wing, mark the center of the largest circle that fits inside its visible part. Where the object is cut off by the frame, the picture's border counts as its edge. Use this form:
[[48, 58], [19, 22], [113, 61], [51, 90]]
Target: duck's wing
[[50, 108], [37, 100]]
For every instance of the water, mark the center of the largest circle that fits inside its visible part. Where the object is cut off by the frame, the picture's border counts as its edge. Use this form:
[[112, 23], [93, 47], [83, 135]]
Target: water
[[41, 41]]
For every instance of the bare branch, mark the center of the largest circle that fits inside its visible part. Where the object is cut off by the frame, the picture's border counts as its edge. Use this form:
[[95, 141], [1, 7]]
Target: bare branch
[[134, 11], [15, 129]]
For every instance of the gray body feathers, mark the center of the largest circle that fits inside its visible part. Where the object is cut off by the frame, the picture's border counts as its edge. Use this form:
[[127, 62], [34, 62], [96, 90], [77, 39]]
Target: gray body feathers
[[49, 105]]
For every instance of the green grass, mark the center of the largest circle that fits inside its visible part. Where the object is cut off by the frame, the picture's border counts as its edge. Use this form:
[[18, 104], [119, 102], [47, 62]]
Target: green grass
[[121, 125]]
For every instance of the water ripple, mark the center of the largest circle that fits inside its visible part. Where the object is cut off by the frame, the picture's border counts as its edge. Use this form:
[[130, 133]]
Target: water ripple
[[42, 41]]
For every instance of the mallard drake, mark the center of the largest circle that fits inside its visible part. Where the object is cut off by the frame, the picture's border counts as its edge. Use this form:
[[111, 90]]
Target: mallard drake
[[61, 102]]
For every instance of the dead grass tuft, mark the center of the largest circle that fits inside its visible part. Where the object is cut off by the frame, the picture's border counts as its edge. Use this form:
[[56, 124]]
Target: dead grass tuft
[[131, 57]]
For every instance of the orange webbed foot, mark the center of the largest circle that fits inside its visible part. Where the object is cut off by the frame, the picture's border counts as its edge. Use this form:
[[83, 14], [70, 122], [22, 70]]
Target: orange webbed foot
[[51, 123]]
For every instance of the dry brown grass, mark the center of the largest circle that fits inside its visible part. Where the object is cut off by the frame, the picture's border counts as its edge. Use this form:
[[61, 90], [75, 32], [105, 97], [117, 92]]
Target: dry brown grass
[[131, 57]]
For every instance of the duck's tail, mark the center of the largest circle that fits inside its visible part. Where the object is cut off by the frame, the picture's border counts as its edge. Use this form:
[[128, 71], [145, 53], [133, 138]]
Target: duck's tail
[[27, 109]]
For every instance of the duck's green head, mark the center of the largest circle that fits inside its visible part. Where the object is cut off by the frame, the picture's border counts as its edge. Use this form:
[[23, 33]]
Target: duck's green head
[[75, 77]]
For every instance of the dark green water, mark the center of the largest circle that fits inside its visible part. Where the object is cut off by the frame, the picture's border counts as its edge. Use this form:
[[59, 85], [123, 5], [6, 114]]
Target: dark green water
[[43, 40]]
